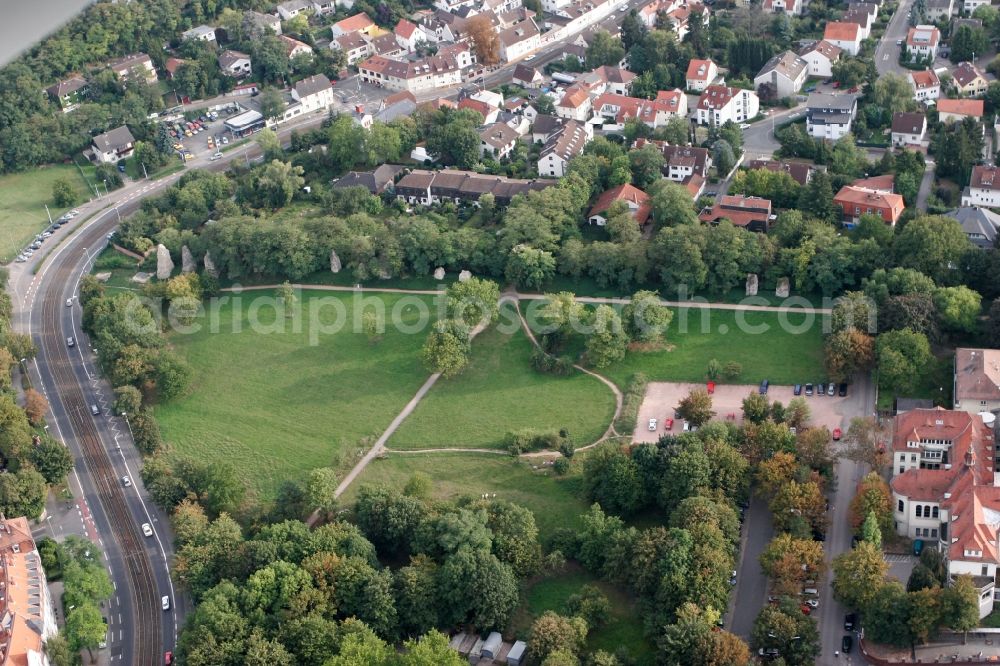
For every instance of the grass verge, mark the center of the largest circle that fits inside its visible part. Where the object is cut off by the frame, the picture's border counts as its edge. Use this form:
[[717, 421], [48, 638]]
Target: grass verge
[[23, 197], [274, 406], [500, 392]]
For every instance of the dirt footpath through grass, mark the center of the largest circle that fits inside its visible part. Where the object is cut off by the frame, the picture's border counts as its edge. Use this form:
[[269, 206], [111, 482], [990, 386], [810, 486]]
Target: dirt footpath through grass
[[662, 399]]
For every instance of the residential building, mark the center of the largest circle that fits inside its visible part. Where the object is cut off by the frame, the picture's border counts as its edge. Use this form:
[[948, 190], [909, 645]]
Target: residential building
[[977, 379], [983, 188], [856, 201], [395, 106], [324, 7], [969, 6], [800, 172], [261, 24], [385, 44], [981, 225], [751, 213], [201, 33], [357, 23], [113, 146], [575, 104], [313, 93], [793, 7], [519, 40], [140, 63], [68, 93], [909, 129], [292, 8], [926, 85], [719, 104], [957, 23], [820, 56], [830, 116], [944, 491], [527, 76], [488, 111], [356, 47], [561, 146], [416, 76], [25, 604], [860, 16], [544, 126], [969, 79], [846, 36], [938, 10], [701, 74], [922, 41], [607, 79], [957, 109], [376, 181], [680, 163], [655, 113], [680, 17], [636, 200], [434, 187], [785, 73], [407, 34], [497, 140], [869, 8], [235, 64], [172, 65], [294, 47]]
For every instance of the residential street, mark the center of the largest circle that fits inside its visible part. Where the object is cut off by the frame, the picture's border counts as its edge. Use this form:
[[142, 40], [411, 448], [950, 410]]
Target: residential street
[[887, 53], [759, 141]]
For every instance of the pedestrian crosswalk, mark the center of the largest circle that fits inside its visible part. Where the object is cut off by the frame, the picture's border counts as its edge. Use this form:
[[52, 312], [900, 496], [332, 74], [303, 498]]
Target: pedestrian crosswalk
[[897, 559]]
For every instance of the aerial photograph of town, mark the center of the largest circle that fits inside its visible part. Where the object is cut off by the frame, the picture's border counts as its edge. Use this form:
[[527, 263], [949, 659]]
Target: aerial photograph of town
[[499, 332]]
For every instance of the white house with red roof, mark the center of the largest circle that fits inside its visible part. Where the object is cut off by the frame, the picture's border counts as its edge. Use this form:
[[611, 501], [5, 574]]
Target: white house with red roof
[[575, 104], [407, 34], [793, 7], [945, 491], [922, 41], [357, 23], [926, 85], [847, 36], [983, 188], [719, 104], [636, 200], [820, 55], [700, 74], [655, 113]]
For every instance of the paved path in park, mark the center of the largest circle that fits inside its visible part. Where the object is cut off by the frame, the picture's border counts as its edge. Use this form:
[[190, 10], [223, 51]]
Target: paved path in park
[[702, 304]]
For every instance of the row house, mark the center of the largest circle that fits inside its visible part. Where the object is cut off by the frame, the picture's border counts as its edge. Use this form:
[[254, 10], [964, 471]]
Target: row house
[[820, 57], [26, 608], [427, 188], [519, 40], [945, 492], [437, 71], [634, 199], [983, 188], [751, 213], [926, 85], [653, 113], [574, 17], [720, 104], [562, 145]]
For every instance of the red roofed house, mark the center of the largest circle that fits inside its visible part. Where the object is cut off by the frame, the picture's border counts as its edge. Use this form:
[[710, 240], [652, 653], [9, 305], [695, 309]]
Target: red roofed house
[[575, 104], [922, 41], [357, 23], [926, 85], [869, 198], [654, 113], [488, 112], [407, 34], [977, 380], [820, 55], [752, 213], [172, 65], [294, 47], [957, 109], [847, 36], [719, 104], [636, 199], [700, 74], [983, 188], [969, 79], [944, 492]]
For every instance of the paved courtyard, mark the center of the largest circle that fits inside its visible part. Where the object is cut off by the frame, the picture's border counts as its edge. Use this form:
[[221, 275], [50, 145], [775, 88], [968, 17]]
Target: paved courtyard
[[662, 399]]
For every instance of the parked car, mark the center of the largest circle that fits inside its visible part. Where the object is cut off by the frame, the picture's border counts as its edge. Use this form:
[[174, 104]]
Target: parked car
[[668, 423], [846, 643], [918, 547], [687, 427], [95, 410], [710, 386], [837, 434], [69, 302], [168, 658], [744, 126], [652, 424], [797, 389], [806, 610], [812, 603], [831, 390], [763, 387], [820, 389], [842, 389], [809, 389], [732, 578]]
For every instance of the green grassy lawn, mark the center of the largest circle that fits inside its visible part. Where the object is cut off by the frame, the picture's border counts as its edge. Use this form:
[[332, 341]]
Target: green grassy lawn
[[499, 392], [624, 627], [555, 500], [23, 197], [274, 406], [782, 356]]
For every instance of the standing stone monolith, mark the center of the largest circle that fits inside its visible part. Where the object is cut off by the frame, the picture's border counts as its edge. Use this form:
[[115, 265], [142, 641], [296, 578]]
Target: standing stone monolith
[[783, 289], [210, 266], [439, 273], [335, 264], [188, 264], [464, 276], [164, 264], [751, 284]]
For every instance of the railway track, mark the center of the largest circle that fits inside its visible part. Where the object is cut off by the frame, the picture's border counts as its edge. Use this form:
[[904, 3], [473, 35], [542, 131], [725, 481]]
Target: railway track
[[147, 614]]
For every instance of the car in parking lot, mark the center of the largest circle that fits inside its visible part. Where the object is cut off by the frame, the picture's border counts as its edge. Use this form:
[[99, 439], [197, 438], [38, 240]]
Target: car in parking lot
[[837, 434], [668, 423], [797, 389], [842, 390], [809, 389], [849, 621], [763, 387], [820, 389], [147, 529], [831, 390], [652, 424]]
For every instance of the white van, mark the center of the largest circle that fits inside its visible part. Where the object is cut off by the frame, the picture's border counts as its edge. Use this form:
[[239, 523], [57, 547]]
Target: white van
[[217, 156]]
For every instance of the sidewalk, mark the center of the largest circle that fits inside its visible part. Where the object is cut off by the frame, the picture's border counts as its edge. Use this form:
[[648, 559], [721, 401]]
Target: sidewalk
[[980, 649]]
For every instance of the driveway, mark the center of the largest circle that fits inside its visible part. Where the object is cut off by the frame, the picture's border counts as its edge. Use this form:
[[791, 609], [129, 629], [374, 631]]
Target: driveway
[[662, 399]]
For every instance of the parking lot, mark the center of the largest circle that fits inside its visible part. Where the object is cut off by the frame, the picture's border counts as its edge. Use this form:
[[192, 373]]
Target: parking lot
[[203, 135], [662, 399]]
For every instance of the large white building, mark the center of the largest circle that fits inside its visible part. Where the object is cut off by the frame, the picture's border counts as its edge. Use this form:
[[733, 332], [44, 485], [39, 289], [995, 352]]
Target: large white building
[[313, 93], [984, 187], [977, 380], [785, 73], [719, 104], [820, 55], [416, 76], [830, 116], [561, 146], [923, 41], [945, 492]]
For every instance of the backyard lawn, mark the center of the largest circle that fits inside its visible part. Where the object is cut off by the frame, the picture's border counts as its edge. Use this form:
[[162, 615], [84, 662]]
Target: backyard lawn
[[273, 406], [23, 197], [784, 357], [554, 500], [623, 629], [500, 391]]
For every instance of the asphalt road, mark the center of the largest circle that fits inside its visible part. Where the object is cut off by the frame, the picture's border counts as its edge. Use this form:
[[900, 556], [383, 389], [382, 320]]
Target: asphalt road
[[887, 53]]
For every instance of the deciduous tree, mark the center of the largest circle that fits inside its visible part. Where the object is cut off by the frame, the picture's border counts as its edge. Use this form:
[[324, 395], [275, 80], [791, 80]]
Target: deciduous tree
[[696, 407], [858, 575]]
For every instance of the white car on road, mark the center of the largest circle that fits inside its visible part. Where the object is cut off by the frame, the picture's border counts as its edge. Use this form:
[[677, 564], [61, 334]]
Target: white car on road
[[147, 529]]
